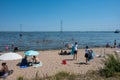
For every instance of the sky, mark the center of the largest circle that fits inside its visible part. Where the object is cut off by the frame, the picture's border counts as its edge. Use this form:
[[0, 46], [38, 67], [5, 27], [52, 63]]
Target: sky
[[51, 15]]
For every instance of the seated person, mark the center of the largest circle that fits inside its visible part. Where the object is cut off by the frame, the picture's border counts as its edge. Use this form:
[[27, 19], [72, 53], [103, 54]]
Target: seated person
[[64, 52], [61, 53], [24, 62], [4, 70], [35, 60]]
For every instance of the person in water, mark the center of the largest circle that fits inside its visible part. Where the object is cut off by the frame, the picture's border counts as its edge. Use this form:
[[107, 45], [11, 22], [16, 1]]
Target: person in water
[[115, 43], [6, 48]]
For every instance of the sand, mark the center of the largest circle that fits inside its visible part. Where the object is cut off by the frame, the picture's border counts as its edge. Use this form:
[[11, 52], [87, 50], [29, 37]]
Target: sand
[[52, 63]]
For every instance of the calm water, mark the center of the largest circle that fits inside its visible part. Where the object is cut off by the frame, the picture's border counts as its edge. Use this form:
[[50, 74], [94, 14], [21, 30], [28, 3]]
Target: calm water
[[56, 40]]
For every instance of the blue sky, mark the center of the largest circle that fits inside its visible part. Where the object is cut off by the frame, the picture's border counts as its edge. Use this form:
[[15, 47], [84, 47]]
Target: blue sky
[[45, 15]]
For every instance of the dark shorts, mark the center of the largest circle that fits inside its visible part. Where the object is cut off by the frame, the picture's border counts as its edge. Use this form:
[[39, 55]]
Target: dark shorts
[[36, 62], [86, 55], [2, 73], [75, 52]]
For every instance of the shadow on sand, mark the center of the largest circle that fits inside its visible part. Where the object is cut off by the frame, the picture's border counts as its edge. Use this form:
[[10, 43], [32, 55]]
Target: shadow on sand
[[81, 63], [18, 64], [69, 59]]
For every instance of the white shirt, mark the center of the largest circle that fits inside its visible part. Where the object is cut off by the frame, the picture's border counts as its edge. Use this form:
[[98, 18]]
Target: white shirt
[[75, 47], [86, 51]]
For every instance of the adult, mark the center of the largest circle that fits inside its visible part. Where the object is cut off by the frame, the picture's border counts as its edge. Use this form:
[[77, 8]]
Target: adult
[[115, 43], [35, 60], [4, 70], [75, 50], [6, 48], [24, 62], [15, 49], [107, 45]]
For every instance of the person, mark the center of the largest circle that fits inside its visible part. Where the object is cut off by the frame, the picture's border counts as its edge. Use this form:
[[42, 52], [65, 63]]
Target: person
[[35, 60], [65, 52], [4, 70], [61, 53], [107, 45], [24, 62], [114, 43], [6, 48], [75, 51], [12, 45], [15, 49], [86, 54], [68, 46]]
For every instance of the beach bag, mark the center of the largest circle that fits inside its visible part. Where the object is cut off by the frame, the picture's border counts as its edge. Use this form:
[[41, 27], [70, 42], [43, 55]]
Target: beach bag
[[64, 62], [90, 55]]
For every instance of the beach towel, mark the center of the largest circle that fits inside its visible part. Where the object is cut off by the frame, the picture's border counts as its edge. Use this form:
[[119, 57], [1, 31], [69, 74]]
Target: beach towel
[[91, 55], [25, 66], [24, 63], [72, 51], [38, 65], [4, 76]]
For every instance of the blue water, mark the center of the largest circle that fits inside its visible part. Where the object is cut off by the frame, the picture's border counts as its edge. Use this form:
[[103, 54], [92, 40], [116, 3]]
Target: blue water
[[56, 40]]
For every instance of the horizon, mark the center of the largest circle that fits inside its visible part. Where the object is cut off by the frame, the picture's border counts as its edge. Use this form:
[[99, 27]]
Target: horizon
[[55, 31], [59, 15]]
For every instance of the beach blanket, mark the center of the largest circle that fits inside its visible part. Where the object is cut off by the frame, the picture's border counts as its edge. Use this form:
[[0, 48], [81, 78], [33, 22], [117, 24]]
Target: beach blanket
[[25, 66], [38, 65]]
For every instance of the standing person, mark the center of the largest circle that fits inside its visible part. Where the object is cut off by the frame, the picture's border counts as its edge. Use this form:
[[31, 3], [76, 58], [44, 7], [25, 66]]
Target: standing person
[[75, 51], [114, 43], [6, 48], [86, 54], [12, 45]]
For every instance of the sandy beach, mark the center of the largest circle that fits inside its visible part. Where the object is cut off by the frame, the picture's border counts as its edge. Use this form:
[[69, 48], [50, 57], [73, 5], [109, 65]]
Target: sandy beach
[[52, 63]]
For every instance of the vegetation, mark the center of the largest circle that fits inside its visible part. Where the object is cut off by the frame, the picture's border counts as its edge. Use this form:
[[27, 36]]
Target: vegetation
[[111, 65], [110, 71], [90, 75]]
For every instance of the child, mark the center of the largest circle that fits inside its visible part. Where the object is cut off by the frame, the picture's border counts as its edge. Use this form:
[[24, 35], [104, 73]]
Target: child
[[86, 54]]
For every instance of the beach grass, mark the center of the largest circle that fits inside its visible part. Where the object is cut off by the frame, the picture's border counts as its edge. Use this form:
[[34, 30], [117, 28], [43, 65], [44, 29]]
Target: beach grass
[[111, 65], [110, 71], [90, 75]]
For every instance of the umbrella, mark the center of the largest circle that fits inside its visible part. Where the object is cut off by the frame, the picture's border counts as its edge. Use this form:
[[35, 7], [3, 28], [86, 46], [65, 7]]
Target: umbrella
[[10, 56], [31, 53]]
